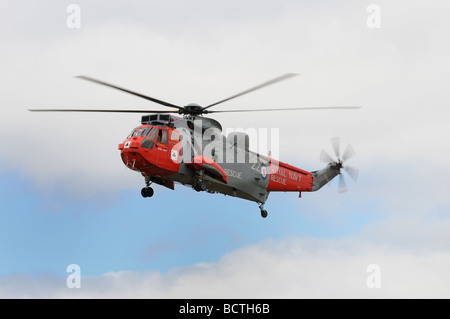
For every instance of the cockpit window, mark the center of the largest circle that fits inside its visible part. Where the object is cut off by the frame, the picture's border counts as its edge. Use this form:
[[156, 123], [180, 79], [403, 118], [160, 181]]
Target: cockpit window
[[146, 131], [153, 133], [138, 132], [132, 133]]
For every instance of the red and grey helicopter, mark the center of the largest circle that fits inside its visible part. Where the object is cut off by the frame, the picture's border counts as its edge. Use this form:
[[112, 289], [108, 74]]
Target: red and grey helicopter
[[190, 149]]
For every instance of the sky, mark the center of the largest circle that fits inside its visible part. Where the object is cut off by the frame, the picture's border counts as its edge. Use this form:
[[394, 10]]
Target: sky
[[66, 197]]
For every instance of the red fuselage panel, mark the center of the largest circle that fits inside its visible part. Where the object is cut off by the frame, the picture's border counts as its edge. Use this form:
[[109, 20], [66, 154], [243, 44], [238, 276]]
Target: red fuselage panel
[[286, 178]]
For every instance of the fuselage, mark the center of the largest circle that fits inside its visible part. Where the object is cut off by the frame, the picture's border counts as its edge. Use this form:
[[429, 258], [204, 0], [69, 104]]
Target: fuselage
[[167, 149]]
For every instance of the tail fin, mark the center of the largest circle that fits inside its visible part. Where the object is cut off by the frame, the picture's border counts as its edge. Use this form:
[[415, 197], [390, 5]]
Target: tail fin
[[325, 175]]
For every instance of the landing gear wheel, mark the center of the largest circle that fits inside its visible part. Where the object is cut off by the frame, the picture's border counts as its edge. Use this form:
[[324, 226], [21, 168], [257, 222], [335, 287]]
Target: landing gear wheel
[[200, 186], [147, 192], [263, 211]]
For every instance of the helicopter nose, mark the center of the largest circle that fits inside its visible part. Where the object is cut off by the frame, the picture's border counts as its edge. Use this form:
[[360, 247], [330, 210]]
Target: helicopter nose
[[129, 144], [136, 155], [130, 152]]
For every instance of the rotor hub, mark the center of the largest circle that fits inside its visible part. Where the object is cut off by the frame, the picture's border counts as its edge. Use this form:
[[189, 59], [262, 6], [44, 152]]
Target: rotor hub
[[192, 109], [339, 165]]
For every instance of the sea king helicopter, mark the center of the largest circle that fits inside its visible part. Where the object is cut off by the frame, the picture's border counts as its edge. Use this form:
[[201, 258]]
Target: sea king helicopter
[[190, 149]]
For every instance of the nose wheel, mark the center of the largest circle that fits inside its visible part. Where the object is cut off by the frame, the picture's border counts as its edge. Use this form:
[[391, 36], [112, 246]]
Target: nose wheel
[[147, 192]]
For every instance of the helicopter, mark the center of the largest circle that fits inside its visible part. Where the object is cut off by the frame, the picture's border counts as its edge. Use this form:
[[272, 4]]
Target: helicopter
[[190, 149]]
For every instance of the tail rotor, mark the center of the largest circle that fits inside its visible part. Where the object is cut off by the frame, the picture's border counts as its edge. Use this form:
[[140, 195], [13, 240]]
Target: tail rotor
[[338, 162]]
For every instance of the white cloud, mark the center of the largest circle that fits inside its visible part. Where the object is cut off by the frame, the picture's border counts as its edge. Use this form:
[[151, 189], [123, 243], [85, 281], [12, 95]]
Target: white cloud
[[289, 268], [398, 73]]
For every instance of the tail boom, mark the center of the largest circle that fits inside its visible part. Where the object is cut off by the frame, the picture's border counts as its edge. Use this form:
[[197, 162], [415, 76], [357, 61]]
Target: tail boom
[[325, 175], [288, 178]]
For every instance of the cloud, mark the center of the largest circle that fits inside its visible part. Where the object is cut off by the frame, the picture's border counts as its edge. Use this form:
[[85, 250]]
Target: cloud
[[397, 73], [286, 268]]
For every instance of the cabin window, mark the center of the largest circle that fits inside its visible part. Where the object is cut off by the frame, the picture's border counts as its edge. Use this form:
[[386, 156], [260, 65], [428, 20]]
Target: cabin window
[[146, 143], [174, 136], [162, 136]]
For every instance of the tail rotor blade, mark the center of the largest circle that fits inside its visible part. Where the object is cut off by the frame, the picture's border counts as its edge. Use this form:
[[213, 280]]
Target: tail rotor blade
[[335, 142], [342, 185], [325, 157], [352, 172], [339, 163], [349, 153]]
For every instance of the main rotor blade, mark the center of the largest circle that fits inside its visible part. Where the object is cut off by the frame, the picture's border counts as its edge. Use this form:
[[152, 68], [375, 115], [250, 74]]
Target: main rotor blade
[[100, 111], [278, 79], [291, 109], [87, 78]]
